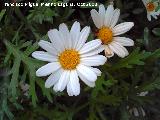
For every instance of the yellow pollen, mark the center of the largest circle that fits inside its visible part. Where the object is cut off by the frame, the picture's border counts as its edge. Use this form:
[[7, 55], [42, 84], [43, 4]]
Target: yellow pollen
[[105, 34], [150, 6], [69, 59]]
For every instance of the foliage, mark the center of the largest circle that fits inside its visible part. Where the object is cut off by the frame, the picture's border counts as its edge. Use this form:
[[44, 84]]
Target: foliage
[[117, 90], [156, 31]]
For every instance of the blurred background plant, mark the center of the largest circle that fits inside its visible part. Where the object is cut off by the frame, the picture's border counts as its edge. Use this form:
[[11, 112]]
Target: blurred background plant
[[127, 90]]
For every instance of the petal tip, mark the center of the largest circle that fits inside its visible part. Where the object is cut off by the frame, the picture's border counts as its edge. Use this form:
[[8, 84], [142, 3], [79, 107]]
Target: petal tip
[[38, 74], [46, 85], [33, 54], [101, 5]]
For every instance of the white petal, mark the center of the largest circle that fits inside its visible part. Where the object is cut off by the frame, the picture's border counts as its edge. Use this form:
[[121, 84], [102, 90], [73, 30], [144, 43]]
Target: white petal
[[122, 28], [144, 2], [69, 91], [101, 14], [108, 15], [89, 46], [63, 81], [149, 17], [95, 60], [118, 49], [83, 37], [86, 81], [48, 69], [55, 88], [108, 52], [75, 31], [74, 83], [53, 78], [48, 47], [56, 39], [66, 35], [96, 18], [90, 84], [86, 72], [124, 41], [155, 17], [102, 10], [115, 17], [93, 52], [44, 56], [97, 71]]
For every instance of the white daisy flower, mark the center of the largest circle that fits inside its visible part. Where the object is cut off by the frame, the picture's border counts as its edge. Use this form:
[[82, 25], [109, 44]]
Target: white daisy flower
[[151, 9], [70, 58], [108, 31]]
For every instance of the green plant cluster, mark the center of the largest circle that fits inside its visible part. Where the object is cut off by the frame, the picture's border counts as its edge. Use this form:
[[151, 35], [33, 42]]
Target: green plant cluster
[[117, 90]]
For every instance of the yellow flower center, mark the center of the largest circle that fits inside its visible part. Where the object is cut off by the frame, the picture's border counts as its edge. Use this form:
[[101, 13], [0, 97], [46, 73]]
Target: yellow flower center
[[69, 59], [150, 6], [105, 34]]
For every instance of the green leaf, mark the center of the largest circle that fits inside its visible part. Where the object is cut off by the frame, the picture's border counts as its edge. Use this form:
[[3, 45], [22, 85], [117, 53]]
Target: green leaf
[[30, 66], [40, 14], [7, 110], [32, 90], [154, 0], [45, 92], [26, 44], [154, 55], [150, 86], [67, 13], [109, 100], [135, 58], [2, 14], [124, 113], [156, 31], [146, 36], [102, 84], [15, 74], [158, 8]]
